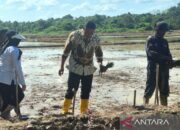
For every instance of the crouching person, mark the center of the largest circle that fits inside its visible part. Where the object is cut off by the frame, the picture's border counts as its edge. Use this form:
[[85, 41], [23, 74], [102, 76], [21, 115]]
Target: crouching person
[[11, 74]]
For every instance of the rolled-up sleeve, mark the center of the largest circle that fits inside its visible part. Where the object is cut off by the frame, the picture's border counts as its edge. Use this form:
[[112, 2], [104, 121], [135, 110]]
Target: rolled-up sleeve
[[18, 68], [99, 52]]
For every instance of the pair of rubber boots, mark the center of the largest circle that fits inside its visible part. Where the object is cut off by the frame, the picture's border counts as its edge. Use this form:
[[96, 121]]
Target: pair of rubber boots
[[67, 103], [163, 100]]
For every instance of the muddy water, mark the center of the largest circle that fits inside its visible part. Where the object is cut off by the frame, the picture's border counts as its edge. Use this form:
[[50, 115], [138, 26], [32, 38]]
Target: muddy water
[[45, 89]]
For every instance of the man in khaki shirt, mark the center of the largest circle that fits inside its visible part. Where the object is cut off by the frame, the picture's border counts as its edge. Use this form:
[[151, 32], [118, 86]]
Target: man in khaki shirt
[[81, 45]]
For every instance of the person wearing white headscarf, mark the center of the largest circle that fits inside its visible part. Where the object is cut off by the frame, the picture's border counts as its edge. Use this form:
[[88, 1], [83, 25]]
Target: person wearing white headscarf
[[11, 73]]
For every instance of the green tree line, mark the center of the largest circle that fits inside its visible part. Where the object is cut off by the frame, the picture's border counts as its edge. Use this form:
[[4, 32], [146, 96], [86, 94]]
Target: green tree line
[[125, 22]]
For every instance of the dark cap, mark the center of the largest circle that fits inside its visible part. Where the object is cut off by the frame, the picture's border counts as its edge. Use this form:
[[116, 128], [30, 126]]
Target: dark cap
[[163, 26], [90, 25]]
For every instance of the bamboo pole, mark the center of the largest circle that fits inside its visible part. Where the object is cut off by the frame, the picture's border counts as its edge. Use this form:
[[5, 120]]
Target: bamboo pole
[[1, 101], [17, 99], [134, 104], [74, 102], [156, 100]]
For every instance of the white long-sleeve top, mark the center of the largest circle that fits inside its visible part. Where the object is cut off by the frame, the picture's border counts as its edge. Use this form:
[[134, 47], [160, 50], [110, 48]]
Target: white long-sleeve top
[[10, 67]]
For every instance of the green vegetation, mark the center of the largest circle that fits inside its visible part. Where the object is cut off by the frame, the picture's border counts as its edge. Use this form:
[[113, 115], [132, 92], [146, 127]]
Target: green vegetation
[[122, 23]]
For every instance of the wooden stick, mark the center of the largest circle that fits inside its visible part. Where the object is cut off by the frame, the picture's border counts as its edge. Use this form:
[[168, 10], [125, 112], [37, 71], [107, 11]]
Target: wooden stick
[[1, 101], [74, 101], [156, 100], [17, 100], [134, 98]]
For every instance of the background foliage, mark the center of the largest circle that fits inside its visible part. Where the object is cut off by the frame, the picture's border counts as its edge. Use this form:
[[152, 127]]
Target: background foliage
[[121, 23]]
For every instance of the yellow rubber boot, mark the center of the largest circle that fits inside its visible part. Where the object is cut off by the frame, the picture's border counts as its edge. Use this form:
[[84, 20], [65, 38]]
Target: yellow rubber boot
[[66, 105], [84, 105]]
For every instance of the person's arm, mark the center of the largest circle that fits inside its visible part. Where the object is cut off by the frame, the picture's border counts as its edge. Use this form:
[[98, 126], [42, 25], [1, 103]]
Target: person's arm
[[98, 51], [18, 69], [169, 53], [151, 50], [61, 70], [99, 54], [169, 62], [66, 52]]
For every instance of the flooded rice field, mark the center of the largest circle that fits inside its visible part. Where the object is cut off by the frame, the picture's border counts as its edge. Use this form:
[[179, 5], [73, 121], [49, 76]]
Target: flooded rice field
[[46, 90], [111, 96]]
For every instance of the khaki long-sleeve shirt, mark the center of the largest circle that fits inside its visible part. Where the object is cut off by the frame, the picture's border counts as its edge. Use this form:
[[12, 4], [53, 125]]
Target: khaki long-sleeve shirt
[[81, 52]]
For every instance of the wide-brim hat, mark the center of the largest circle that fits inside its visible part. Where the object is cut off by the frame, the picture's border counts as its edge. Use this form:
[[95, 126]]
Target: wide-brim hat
[[14, 35], [18, 36], [9, 35]]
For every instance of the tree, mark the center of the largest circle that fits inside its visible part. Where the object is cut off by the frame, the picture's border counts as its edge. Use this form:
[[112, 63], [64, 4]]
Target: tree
[[104, 23]]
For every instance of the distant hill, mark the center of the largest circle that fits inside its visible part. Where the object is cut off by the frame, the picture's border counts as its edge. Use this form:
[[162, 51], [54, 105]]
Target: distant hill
[[125, 22]]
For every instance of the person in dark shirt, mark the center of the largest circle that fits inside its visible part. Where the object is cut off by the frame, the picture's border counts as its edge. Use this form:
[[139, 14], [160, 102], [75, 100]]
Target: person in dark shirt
[[157, 50]]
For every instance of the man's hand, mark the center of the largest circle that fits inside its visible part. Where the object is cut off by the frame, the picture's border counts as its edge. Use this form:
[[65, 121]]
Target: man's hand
[[102, 68], [61, 71], [170, 64]]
